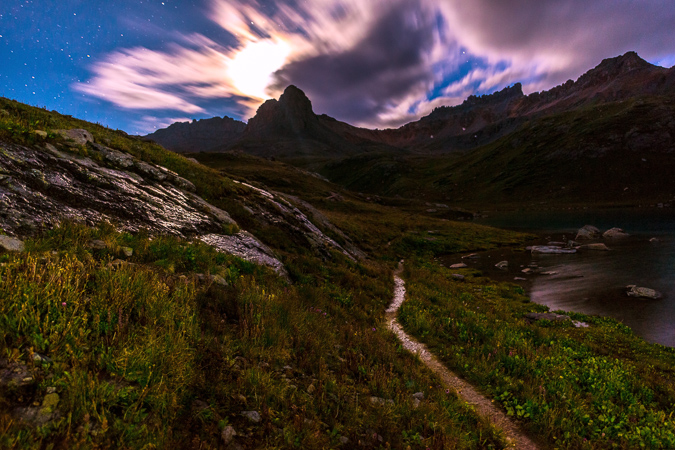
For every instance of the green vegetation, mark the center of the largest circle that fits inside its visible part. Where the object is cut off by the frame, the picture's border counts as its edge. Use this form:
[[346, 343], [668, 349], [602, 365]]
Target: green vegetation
[[118, 340], [143, 355], [575, 388]]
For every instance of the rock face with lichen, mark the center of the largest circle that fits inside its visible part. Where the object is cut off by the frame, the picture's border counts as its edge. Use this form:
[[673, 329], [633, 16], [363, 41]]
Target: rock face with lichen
[[43, 184]]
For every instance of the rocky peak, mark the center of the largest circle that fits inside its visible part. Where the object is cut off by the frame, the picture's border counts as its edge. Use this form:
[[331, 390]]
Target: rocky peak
[[291, 114], [611, 68]]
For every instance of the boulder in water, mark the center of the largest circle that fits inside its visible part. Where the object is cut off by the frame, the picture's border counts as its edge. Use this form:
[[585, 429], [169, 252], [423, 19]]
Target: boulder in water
[[642, 292], [587, 232], [615, 233]]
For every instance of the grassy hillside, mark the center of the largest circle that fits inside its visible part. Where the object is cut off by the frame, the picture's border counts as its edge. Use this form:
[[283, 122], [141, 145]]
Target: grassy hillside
[[99, 349], [619, 153]]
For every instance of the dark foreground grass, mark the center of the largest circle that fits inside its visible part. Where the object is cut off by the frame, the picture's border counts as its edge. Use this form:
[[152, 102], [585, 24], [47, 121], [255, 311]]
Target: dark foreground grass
[[574, 388], [144, 355]]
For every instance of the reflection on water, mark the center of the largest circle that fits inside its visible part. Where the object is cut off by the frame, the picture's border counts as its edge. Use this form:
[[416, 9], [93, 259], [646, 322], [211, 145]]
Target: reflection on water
[[593, 282]]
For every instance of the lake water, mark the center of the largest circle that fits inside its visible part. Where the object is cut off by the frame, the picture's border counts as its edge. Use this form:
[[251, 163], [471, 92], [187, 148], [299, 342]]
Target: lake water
[[593, 282]]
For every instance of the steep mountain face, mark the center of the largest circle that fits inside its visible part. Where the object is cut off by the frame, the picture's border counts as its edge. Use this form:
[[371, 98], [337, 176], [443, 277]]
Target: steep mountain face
[[290, 116], [288, 129], [199, 135]]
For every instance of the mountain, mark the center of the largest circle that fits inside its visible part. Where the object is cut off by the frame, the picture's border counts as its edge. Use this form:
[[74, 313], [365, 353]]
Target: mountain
[[198, 135], [600, 117], [288, 129]]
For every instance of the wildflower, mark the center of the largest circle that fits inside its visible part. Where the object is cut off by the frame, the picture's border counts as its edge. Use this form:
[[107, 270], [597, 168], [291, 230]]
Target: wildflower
[[447, 391], [63, 304], [373, 329]]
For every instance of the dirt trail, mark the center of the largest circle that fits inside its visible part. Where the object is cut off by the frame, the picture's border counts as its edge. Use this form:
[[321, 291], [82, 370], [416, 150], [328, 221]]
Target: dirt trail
[[465, 391]]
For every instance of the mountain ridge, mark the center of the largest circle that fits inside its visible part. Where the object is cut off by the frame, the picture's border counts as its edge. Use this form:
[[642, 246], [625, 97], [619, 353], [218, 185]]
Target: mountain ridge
[[288, 128]]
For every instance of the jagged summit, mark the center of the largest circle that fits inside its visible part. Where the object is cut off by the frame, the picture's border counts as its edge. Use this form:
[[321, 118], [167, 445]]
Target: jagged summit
[[508, 93], [291, 114], [612, 68]]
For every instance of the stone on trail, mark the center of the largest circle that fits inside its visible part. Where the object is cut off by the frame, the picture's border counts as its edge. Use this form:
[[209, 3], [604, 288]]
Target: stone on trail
[[459, 266]]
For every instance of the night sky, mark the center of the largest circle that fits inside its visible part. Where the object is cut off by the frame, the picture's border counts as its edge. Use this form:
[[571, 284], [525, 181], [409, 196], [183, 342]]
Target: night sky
[[141, 64]]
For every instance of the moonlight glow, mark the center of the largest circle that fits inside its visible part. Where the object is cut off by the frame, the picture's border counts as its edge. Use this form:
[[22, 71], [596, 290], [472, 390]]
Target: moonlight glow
[[251, 68]]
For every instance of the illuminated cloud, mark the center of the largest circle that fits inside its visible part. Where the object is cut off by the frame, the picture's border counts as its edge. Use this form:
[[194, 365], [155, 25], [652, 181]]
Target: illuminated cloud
[[379, 62]]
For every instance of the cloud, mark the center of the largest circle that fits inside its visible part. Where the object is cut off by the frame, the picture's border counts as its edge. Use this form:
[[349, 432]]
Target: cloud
[[148, 124], [389, 66], [555, 40], [379, 62]]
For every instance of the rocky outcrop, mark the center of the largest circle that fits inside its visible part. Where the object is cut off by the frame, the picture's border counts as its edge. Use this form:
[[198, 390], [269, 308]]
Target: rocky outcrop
[[43, 186], [292, 114]]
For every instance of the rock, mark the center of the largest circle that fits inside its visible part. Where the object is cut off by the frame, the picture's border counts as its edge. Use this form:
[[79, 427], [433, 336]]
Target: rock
[[127, 251], [502, 265], [458, 266], [116, 157], [40, 358], [587, 232], [217, 279], [599, 246], [642, 292], [96, 244], [76, 136], [527, 270], [533, 317], [551, 250], [519, 279], [615, 233], [228, 434], [379, 401], [458, 277], [311, 389], [41, 134], [343, 440], [14, 374], [418, 395], [10, 244], [50, 401], [654, 239], [578, 324], [416, 403], [548, 273], [182, 183], [471, 256], [253, 416]]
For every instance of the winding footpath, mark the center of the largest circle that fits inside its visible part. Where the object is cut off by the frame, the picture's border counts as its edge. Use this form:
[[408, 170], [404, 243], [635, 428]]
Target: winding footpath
[[481, 404]]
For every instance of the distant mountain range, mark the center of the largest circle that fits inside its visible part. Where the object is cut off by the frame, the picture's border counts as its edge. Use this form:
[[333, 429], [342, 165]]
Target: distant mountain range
[[366, 160]]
